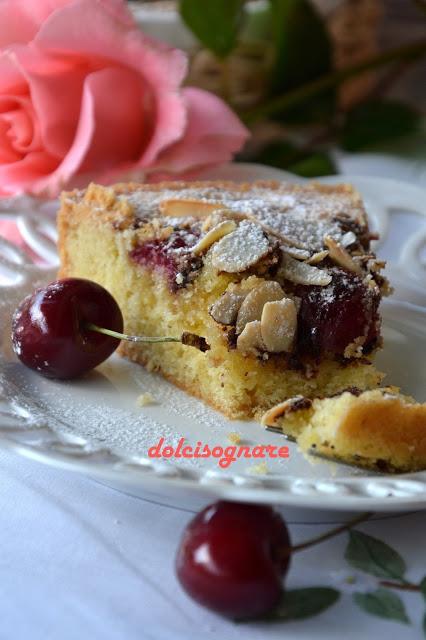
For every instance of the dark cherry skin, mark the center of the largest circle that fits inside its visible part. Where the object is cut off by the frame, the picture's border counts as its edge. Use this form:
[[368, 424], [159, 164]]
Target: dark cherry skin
[[49, 331], [233, 557], [329, 325]]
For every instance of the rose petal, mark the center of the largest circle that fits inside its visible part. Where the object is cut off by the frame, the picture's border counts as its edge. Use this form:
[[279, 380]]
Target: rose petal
[[21, 19], [213, 134], [22, 131], [109, 131], [25, 175], [83, 29], [7, 152], [15, 26], [49, 77]]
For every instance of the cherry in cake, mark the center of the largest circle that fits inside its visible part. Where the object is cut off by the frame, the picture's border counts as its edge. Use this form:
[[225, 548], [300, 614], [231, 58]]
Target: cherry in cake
[[233, 558]]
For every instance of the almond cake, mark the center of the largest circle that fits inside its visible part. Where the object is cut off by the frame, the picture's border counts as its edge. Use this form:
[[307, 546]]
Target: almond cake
[[278, 279]]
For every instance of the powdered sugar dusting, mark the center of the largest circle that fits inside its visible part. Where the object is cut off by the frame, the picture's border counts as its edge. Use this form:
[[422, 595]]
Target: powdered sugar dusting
[[240, 249], [304, 216]]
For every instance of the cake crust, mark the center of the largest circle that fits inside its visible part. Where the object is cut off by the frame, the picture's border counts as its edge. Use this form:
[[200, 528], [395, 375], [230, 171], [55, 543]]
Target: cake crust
[[379, 429]]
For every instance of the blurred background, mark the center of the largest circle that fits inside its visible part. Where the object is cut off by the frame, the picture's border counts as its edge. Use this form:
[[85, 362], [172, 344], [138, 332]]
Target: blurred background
[[261, 56]]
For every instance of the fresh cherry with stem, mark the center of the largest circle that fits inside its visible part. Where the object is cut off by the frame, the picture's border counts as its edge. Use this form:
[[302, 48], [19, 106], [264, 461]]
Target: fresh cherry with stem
[[72, 325], [233, 558]]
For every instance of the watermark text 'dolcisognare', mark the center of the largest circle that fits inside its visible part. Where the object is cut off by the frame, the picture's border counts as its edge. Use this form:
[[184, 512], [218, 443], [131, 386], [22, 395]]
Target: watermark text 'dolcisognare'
[[224, 455]]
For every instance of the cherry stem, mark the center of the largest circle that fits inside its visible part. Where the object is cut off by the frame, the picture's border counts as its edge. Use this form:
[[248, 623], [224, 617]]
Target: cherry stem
[[403, 586], [125, 336], [333, 532], [187, 338]]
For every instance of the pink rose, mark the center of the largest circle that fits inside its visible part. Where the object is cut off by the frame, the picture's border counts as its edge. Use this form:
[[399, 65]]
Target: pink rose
[[85, 95]]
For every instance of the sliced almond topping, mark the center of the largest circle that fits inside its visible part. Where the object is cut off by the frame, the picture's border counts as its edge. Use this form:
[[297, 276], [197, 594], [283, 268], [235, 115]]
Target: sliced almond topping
[[302, 273], [241, 249], [214, 219], [318, 257], [176, 208], [212, 236], [270, 418], [278, 325], [375, 265], [225, 309], [250, 341], [185, 208], [348, 238], [341, 256], [298, 254], [252, 306]]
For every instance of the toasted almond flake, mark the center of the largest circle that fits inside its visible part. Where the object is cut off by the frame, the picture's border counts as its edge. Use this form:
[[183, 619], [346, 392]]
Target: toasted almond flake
[[348, 238], [270, 417], [250, 341], [278, 325], [302, 273], [375, 265], [214, 235], [225, 309], [298, 254], [176, 208], [213, 219], [341, 256], [241, 249], [318, 257], [252, 306]]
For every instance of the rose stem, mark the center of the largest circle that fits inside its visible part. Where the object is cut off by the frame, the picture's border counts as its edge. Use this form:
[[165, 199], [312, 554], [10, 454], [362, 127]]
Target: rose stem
[[333, 532], [408, 52]]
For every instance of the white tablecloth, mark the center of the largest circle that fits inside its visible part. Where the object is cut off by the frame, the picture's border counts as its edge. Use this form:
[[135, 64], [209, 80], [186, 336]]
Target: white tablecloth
[[79, 560]]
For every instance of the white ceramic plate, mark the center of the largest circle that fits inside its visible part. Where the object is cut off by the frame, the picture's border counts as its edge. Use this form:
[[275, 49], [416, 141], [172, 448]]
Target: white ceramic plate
[[93, 425]]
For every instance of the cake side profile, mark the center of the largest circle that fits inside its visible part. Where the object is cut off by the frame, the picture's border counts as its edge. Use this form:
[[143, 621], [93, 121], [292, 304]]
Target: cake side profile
[[379, 429], [279, 279]]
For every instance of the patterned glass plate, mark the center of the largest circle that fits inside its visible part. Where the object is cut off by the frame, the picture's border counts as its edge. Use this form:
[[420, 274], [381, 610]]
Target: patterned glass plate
[[95, 426]]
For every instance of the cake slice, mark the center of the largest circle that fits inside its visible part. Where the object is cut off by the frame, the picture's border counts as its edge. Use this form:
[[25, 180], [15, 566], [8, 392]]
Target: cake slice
[[378, 429], [279, 279]]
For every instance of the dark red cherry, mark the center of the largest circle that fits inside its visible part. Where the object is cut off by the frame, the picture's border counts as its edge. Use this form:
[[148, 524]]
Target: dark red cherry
[[331, 318], [233, 557], [49, 332]]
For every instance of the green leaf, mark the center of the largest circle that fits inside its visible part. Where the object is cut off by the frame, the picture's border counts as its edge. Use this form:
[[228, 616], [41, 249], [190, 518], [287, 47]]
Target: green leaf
[[296, 604], [257, 24], [373, 556], [309, 164], [302, 44], [314, 165], [424, 625], [382, 603], [214, 22], [378, 121]]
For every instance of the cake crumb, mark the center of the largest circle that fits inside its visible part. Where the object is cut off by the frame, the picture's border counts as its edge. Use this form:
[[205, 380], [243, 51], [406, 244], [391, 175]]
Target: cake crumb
[[145, 399], [234, 437], [259, 469]]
